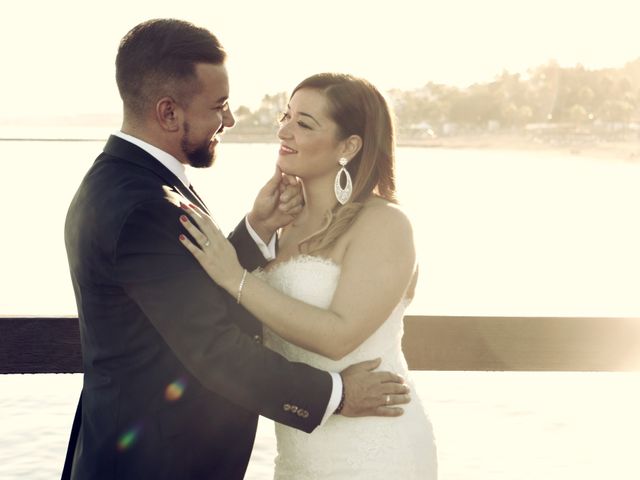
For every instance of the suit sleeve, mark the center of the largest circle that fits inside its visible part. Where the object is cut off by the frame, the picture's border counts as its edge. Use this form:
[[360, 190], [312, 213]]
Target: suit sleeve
[[248, 251], [192, 314]]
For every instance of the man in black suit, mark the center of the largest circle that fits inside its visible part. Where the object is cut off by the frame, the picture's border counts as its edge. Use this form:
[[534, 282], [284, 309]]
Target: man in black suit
[[174, 371]]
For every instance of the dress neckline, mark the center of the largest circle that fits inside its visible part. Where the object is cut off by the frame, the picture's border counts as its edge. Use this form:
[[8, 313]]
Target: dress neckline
[[301, 258]]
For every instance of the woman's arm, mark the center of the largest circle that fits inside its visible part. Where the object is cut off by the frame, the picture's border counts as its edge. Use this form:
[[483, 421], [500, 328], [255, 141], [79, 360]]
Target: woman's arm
[[377, 268]]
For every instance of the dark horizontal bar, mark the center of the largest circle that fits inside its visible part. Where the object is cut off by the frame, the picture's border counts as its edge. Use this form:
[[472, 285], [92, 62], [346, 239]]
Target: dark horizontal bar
[[52, 344], [40, 345], [522, 343]]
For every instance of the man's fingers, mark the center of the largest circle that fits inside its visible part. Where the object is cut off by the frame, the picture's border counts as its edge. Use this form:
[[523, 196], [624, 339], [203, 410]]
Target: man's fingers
[[289, 192], [290, 180], [286, 196], [274, 181], [389, 400], [388, 411], [389, 377], [368, 364], [289, 204], [395, 389], [292, 212]]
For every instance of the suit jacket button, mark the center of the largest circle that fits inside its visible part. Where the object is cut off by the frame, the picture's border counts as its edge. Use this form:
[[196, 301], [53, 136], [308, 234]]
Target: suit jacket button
[[257, 338], [305, 414], [286, 407], [294, 408]]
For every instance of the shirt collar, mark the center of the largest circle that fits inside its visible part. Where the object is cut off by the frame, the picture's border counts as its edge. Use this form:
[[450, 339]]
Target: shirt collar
[[169, 161]]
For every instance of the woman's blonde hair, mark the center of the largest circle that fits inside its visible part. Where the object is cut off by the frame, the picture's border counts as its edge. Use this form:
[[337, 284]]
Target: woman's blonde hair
[[358, 108]]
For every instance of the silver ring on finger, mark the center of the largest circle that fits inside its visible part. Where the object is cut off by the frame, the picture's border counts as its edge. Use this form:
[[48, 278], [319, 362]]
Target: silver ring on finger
[[387, 400], [206, 243]]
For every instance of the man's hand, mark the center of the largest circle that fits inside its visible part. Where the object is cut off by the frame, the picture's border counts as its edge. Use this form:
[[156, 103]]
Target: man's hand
[[276, 205], [369, 393]]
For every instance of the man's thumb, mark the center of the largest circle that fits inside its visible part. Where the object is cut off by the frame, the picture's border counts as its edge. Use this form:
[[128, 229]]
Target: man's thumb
[[371, 364], [274, 181]]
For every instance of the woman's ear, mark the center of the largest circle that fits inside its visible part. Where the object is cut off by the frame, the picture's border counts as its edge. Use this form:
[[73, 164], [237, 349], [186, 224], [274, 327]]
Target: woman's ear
[[351, 146], [168, 114]]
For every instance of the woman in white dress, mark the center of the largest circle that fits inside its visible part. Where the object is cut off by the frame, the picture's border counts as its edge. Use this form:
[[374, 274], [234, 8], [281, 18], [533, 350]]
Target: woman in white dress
[[344, 274]]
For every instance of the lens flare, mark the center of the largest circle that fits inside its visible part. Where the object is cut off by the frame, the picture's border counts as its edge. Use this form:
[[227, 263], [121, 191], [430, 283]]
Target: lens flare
[[128, 439], [175, 390]]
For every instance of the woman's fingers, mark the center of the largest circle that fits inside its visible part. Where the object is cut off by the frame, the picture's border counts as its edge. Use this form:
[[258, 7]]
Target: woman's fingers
[[202, 239], [203, 221], [195, 251], [191, 209], [199, 211]]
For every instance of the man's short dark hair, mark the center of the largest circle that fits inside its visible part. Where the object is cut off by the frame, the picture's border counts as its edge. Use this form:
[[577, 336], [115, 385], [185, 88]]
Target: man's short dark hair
[[157, 58]]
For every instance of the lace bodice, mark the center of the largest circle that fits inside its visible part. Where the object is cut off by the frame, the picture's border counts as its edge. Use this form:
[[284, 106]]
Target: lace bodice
[[349, 448], [314, 280]]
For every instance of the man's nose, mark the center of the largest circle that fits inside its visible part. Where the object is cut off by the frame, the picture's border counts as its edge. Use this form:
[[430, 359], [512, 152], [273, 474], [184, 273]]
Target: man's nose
[[228, 120]]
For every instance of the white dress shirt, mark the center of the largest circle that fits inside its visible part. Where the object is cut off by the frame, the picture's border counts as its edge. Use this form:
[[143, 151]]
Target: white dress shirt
[[268, 250]]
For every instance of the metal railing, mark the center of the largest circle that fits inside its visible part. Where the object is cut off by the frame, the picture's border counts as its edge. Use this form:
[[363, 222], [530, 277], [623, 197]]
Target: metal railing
[[52, 344]]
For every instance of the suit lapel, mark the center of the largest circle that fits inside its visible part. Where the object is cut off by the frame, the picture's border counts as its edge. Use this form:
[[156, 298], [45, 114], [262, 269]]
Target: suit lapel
[[195, 194], [127, 151]]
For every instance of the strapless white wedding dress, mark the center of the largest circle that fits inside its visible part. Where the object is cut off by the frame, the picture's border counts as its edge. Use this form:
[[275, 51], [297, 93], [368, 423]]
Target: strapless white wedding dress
[[350, 448]]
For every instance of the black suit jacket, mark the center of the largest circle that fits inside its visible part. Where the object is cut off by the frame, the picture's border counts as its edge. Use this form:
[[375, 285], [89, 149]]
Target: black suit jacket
[[174, 370]]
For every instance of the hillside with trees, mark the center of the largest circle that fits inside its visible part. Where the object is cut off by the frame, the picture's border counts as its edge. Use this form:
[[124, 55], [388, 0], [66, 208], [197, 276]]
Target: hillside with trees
[[548, 103]]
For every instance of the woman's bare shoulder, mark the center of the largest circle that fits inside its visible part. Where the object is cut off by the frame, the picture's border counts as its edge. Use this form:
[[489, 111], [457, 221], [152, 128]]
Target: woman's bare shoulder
[[379, 212], [384, 220]]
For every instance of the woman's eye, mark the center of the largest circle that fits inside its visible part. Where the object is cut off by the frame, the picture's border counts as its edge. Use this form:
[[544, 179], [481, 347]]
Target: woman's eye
[[283, 117], [304, 125]]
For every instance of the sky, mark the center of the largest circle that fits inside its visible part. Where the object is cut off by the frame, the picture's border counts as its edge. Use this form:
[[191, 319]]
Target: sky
[[58, 56]]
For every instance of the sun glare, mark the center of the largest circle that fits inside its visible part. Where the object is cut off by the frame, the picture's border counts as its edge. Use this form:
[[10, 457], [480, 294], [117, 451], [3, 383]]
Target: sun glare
[[66, 65]]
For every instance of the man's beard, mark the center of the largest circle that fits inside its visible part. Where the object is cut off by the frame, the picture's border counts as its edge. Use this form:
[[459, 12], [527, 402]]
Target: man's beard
[[200, 156]]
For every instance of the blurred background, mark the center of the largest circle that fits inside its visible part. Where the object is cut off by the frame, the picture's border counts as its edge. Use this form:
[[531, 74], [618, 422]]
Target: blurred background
[[518, 162]]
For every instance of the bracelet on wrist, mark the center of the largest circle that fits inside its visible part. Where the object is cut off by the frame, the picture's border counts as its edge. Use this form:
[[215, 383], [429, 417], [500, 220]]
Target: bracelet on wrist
[[241, 286]]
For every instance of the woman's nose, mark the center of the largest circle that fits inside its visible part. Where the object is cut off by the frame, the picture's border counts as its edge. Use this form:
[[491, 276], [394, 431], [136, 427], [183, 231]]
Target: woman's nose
[[284, 131]]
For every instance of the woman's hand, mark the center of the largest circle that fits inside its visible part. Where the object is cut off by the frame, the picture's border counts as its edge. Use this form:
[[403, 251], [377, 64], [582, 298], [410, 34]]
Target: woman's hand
[[212, 250]]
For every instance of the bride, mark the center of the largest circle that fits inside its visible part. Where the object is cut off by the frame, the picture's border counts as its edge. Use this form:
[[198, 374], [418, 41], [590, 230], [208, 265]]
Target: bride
[[344, 274]]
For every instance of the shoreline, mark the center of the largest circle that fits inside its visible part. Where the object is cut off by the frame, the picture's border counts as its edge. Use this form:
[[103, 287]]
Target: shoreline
[[626, 150]]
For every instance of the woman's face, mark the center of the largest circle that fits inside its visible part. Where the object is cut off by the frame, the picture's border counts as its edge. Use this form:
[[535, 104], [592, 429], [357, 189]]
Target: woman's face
[[309, 145]]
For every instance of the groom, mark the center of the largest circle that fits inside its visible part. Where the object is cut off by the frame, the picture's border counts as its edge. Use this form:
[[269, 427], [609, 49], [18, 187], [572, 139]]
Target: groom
[[174, 371]]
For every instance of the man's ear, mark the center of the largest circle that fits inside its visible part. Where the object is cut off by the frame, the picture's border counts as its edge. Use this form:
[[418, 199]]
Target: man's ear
[[168, 114], [351, 146]]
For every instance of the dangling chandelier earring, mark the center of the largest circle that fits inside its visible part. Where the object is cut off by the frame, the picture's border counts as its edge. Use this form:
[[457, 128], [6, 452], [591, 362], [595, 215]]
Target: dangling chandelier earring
[[343, 194]]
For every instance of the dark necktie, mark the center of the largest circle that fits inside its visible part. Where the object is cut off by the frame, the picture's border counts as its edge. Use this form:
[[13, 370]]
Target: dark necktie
[[195, 194]]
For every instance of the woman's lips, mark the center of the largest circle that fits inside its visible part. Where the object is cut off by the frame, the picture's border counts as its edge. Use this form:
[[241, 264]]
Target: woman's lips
[[284, 150]]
